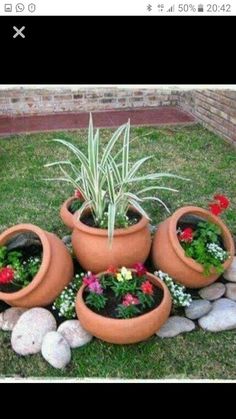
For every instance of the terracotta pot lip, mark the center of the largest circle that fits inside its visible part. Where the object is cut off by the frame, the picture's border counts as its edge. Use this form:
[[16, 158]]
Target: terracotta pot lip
[[204, 214], [46, 257], [143, 222], [137, 319]]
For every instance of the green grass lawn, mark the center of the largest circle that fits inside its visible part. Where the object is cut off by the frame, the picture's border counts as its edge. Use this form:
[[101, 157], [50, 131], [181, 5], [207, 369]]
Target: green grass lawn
[[25, 197]]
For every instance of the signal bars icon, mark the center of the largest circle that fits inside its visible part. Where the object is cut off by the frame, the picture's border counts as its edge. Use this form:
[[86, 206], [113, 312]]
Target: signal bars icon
[[171, 9]]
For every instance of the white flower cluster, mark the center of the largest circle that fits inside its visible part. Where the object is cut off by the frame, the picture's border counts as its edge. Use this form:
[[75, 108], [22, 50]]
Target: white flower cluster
[[179, 297], [217, 252], [65, 302]]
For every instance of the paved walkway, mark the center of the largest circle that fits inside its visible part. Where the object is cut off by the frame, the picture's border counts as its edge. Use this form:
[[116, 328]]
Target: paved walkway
[[69, 121]]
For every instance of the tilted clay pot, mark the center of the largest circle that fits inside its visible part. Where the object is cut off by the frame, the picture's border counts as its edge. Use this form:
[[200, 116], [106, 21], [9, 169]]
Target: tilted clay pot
[[55, 272], [125, 331], [129, 245], [169, 256], [66, 216]]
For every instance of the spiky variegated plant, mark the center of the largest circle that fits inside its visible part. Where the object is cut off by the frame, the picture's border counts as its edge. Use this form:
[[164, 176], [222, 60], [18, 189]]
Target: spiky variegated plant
[[108, 183]]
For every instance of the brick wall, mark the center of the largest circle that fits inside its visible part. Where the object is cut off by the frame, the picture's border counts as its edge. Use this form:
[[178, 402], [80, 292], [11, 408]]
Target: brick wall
[[215, 109], [44, 101]]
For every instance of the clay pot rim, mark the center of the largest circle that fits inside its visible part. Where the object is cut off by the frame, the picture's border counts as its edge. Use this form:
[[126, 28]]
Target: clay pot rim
[[139, 319], [227, 239], [46, 257], [143, 222]]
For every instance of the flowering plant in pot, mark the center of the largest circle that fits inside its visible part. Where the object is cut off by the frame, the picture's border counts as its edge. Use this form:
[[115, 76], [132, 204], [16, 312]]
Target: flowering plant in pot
[[35, 266], [123, 306], [111, 226], [194, 246]]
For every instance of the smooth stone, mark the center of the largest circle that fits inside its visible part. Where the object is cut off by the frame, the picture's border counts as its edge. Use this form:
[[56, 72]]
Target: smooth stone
[[230, 273], [174, 326], [28, 333], [213, 292], [197, 309], [221, 317], [74, 333], [231, 291], [10, 317], [56, 350], [67, 239]]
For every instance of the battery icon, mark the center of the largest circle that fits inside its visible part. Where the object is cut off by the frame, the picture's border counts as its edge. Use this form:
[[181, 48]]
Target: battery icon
[[200, 8]]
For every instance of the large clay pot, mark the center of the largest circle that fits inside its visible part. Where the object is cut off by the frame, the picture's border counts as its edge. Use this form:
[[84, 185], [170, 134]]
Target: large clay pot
[[125, 331], [129, 245], [66, 216], [169, 256], [55, 272]]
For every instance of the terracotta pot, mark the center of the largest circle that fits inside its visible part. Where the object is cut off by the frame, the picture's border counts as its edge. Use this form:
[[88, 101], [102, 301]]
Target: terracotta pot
[[66, 216], [55, 272], [169, 256], [125, 331], [129, 245]]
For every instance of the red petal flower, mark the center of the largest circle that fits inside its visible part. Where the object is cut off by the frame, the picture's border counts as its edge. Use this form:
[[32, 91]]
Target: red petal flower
[[147, 288], [223, 201], [6, 275], [186, 235], [215, 209], [112, 269], [79, 195], [140, 269]]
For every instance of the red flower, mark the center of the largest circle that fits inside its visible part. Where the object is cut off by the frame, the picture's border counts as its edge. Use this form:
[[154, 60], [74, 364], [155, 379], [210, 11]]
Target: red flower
[[215, 209], [223, 201], [79, 195], [6, 275], [111, 269], [140, 268], [129, 299], [186, 235], [147, 288]]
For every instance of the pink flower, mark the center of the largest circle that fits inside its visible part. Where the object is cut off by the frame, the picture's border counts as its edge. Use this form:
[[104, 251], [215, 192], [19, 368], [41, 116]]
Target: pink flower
[[130, 299], [89, 279], [140, 268], [79, 195], [95, 287]]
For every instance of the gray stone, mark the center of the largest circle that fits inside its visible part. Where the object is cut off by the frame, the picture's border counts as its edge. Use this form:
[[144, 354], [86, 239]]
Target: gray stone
[[74, 333], [231, 291], [67, 239], [10, 317], [197, 309], [56, 350], [221, 317], [230, 273], [213, 292], [174, 326], [28, 333]]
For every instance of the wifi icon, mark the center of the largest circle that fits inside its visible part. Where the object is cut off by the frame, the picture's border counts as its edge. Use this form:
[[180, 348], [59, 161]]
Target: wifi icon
[[171, 9]]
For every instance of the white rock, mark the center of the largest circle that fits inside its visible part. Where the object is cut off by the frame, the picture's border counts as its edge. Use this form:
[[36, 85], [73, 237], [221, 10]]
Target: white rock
[[213, 292], [56, 350], [221, 317], [28, 333], [174, 326], [9, 317], [230, 273], [74, 333], [197, 309], [231, 291]]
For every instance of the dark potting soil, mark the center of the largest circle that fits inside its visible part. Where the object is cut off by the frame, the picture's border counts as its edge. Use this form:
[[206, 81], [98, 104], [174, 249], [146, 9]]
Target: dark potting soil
[[134, 218], [112, 301], [192, 221], [34, 250]]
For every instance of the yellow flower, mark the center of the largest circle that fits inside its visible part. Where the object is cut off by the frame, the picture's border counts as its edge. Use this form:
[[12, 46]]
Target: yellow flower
[[124, 275]]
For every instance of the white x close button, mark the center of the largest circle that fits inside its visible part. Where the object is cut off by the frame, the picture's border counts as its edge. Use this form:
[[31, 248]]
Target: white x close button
[[19, 32]]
